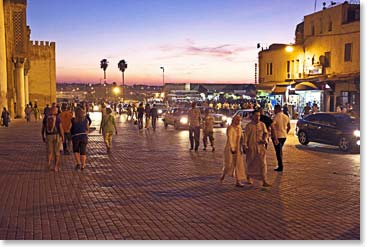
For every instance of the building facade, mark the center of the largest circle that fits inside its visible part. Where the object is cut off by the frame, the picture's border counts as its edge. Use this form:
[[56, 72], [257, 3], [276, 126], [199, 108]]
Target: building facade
[[188, 92], [322, 66], [27, 68]]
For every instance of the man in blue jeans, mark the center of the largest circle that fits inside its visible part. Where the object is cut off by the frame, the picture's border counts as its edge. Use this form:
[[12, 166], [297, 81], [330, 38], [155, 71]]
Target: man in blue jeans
[[281, 125]]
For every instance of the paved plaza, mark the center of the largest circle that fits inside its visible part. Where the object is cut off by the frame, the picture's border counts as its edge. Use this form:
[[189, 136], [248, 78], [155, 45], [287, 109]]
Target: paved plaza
[[153, 187]]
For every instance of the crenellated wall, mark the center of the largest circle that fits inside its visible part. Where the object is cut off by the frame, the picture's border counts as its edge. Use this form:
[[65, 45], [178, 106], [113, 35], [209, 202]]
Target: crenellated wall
[[42, 72], [30, 66]]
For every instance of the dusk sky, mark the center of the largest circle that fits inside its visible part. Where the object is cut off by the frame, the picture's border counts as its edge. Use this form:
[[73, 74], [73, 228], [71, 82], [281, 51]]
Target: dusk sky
[[196, 41]]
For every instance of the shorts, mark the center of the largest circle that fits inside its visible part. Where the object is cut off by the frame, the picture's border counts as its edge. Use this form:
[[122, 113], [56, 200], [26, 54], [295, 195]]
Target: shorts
[[67, 136], [53, 144], [80, 145]]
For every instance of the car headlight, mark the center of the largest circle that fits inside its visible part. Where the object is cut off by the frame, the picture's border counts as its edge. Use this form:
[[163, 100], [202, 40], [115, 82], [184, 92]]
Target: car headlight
[[160, 111], [184, 120], [357, 133], [224, 118]]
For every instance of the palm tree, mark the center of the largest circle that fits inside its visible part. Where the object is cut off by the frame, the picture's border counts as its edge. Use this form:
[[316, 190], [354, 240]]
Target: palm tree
[[104, 65], [122, 65]]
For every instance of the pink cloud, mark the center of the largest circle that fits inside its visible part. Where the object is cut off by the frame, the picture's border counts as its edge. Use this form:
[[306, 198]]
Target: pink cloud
[[225, 51], [219, 51]]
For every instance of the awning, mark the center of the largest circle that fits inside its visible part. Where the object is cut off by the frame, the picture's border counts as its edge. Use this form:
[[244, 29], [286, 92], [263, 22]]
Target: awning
[[269, 86], [343, 77], [306, 86], [264, 87], [279, 89]]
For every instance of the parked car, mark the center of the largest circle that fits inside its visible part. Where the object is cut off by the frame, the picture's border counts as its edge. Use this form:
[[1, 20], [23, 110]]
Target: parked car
[[339, 129], [178, 117], [246, 115], [219, 119]]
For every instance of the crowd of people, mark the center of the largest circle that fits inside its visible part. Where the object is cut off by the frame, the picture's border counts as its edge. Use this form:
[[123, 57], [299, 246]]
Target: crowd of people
[[251, 143], [65, 130]]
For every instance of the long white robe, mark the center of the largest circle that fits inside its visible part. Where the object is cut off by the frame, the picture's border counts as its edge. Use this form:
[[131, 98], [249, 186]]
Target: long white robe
[[234, 163], [256, 151]]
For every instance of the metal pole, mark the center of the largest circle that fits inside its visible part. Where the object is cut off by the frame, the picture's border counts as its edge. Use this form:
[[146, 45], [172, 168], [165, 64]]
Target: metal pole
[[123, 86], [163, 77]]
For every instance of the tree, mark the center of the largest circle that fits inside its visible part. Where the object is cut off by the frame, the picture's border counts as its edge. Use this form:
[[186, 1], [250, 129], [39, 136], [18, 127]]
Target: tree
[[122, 65], [104, 65]]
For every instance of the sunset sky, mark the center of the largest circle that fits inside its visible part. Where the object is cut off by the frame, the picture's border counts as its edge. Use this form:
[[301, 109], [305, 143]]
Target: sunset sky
[[196, 41]]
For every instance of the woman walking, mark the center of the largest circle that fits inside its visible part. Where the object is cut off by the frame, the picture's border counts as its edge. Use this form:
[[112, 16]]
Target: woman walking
[[233, 160], [79, 133]]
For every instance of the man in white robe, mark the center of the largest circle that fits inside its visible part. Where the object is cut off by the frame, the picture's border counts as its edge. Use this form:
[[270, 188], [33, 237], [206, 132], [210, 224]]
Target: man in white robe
[[255, 138]]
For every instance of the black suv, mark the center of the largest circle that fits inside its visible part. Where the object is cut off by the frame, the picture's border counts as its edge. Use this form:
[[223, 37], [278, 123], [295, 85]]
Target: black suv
[[338, 129]]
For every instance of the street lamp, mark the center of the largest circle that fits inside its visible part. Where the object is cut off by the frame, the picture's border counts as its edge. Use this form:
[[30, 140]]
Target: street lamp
[[162, 68], [116, 90], [289, 48]]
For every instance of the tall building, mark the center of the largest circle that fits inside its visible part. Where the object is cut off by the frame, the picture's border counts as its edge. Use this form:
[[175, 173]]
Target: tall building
[[27, 68], [322, 66]]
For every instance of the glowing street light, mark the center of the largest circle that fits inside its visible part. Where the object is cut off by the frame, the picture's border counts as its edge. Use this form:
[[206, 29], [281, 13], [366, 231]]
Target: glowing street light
[[289, 48], [116, 90]]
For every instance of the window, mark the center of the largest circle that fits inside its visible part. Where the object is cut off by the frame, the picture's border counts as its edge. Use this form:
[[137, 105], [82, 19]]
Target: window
[[327, 59], [351, 14], [326, 120], [311, 118], [288, 69], [330, 28], [312, 29], [348, 52], [269, 68], [321, 26]]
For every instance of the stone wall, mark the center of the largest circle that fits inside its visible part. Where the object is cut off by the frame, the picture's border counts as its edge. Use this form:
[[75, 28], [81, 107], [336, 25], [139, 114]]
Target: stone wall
[[42, 73]]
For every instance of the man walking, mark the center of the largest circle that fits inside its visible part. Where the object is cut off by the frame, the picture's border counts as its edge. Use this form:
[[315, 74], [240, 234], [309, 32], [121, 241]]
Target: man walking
[[140, 116], [208, 131], [194, 126], [254, 139], [53, 135], [154, 115], [281, 125]]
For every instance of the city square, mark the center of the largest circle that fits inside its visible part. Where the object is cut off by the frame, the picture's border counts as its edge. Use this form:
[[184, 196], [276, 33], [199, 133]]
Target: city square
[[153, 187], [180, 120]]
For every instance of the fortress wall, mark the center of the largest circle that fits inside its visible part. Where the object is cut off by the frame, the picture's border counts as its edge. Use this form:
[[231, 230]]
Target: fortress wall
[[42, 73]]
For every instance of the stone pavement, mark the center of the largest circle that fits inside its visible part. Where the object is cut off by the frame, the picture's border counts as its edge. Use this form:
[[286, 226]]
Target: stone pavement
[[153, 187]]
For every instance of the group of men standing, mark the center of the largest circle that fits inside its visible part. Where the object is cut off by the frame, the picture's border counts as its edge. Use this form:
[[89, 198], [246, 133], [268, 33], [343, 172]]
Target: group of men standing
[[194, 118]]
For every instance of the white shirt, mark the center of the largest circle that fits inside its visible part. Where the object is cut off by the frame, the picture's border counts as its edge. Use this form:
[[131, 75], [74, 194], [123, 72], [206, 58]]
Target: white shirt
[[281, 122]]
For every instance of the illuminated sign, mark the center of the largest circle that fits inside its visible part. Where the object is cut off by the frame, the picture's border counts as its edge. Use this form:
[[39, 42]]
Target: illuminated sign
[[314, 69]]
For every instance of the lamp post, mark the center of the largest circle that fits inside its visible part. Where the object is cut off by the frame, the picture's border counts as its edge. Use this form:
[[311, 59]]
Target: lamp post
[[162, 68]]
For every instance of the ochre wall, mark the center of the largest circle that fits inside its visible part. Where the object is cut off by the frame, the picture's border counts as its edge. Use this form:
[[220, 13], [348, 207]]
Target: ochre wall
[[42, 73]]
